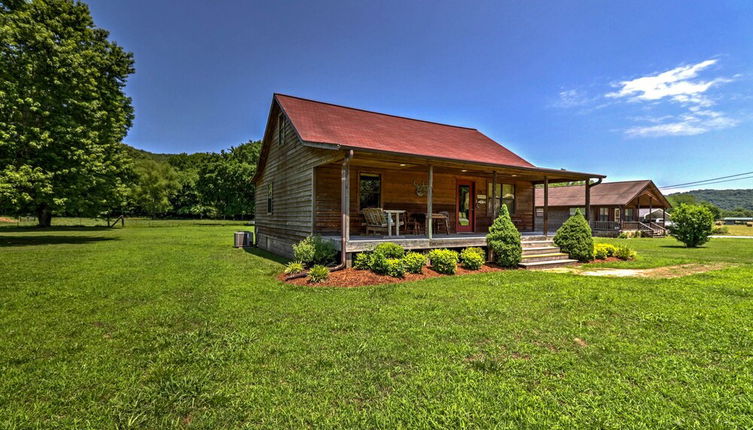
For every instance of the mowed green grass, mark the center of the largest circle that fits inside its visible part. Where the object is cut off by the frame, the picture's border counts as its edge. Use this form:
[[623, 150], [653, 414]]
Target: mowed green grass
[[739, 230], [170, 326]]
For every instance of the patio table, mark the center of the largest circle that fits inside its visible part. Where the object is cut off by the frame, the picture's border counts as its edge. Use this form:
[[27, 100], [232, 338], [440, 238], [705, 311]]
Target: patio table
[[397, 214]]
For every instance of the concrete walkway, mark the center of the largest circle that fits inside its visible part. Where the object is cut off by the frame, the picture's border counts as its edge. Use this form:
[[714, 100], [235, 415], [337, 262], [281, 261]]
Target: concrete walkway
[[732, 237]]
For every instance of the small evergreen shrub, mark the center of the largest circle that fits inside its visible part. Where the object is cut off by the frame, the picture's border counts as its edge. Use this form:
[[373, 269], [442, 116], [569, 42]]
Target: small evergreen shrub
[[476, 250], [624, 253], [362, 261], [318, 273], [574, 238], [414, 262], [602, 251], [390, 250], [504, 240], [471, 259], [394, 267], [293, 267], [314, 250], [691, 224], [443, 261]]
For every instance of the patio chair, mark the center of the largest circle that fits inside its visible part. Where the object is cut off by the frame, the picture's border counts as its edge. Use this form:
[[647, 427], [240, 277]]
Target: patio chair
[[446, 222], [376, 220]]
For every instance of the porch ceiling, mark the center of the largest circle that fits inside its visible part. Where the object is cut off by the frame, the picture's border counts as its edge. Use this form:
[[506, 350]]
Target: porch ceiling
[[407, 163]]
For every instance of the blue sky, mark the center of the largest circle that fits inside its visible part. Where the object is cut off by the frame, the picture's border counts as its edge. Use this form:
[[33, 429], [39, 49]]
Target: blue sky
[[633, 90]]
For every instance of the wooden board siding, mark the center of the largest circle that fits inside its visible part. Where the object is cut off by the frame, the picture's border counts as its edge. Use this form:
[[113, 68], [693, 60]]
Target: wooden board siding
[[399, 192], [289, 168]]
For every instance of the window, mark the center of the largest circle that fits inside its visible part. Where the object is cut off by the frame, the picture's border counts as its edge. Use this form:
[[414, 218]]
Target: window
[[369, 190], [280, 130], [629, 214], [505, 195], [574, 210], [539, 212], [603, 214], [269, 198], [617, 215]]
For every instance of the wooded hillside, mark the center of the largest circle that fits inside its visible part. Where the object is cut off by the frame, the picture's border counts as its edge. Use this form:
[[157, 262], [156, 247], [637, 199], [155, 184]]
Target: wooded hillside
[[724, 199]]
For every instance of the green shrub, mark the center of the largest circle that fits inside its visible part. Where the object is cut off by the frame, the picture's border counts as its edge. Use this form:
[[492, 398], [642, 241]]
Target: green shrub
[[318, 273], [624, 253], [471, 258], [477, 250], [362, 261], [504, 240], [602, 251], [378, 264], [443, 261], [574, 238], [691, 224], [414, 262], [395, 267], [293, 267], [390, 250], [314, 250], [719, 230]]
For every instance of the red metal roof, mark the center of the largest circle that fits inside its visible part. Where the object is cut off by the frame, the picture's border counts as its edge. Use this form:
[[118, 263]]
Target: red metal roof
[[605, 194], [319, 122]]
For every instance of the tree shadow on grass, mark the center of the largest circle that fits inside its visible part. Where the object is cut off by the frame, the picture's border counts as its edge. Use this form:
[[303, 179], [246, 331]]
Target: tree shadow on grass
[[266, 255], [14, 229], [49, 240]]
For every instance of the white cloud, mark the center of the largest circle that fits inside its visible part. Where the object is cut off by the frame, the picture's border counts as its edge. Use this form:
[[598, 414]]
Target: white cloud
[[675, 84], [678, 86], [571, 98]]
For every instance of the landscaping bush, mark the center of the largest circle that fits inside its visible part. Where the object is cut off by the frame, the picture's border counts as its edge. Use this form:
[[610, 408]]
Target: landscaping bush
[[443, 261], [293, 267], [691, 224], [378, 264], [414, 262], [476, 250], [624, 253], [504, 240], [314, 250], [394, 267], [471, 259], [602, 251], [362, 261], [318, 273], [389, 250], [574, 238]]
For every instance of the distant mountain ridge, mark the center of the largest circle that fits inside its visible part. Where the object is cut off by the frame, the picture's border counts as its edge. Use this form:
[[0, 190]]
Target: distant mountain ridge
[[724, 199]]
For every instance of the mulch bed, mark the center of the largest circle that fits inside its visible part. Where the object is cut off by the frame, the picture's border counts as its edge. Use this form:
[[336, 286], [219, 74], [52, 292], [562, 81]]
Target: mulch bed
[[360, 278]]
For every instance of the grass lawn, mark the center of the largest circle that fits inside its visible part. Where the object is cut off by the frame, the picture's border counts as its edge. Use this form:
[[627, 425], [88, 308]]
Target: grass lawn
[[169, 326], [739, 230]]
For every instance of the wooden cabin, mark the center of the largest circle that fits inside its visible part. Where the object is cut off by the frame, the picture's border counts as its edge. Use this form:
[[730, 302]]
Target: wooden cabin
[[358, 178], [614, 207]]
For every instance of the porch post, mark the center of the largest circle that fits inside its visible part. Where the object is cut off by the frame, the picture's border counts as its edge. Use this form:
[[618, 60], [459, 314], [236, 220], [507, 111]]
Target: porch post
[[494, 195], [663, 217], [650, 208], [546, 205], [588, 200], [429, 192], [345, 207]]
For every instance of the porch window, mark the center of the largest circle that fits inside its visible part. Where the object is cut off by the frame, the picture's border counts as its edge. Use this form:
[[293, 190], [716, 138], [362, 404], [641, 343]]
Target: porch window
[[617, 215], [574, 210], [629, 214], [603, 214], [369, 191], [505, 196], [269, 199]]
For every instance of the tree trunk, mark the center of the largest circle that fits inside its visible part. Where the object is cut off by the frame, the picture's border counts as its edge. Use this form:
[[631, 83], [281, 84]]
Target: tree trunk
[[44, 216]]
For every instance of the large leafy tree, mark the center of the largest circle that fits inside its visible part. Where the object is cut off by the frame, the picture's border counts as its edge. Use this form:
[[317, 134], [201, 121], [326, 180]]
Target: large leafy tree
[[157, 183], [63, 111], [225, 182]]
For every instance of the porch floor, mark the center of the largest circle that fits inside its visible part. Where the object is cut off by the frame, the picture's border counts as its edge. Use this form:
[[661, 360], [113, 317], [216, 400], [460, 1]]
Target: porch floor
[[359, 243]]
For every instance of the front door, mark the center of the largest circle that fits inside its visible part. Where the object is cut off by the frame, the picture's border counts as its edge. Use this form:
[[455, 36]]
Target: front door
[[465, 212]]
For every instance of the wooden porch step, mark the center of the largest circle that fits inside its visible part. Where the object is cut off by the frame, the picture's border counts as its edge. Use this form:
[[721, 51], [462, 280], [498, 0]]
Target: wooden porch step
[[554, 256], [537, 243], [549, 264], [533, 250]]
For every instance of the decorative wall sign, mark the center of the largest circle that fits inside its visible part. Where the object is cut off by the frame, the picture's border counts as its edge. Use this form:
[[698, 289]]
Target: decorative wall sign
[[421, 188]]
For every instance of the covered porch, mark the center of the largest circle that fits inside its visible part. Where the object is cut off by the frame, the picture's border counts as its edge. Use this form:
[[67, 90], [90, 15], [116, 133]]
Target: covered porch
[[424, 203]]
